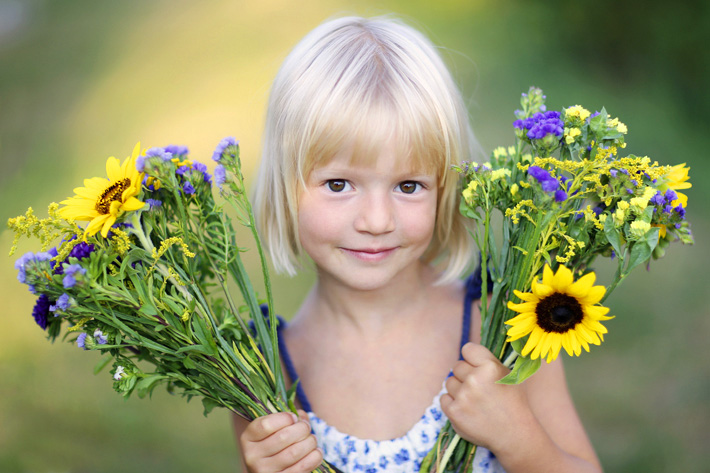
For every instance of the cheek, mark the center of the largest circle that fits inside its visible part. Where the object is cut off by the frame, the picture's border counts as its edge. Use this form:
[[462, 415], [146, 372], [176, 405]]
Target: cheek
[[316, 224], [420, 224]]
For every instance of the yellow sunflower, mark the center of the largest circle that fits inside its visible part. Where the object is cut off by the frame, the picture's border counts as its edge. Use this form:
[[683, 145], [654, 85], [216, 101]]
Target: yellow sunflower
[[101, 201], [559, 313]]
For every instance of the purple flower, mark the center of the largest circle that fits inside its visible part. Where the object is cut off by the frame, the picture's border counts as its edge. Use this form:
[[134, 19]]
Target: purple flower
[[543, 124], [538, 173], [100, 337], [670, 195], [202, 168], [657, 199], [182, 170], [154, 204], [41, 311], [81, 341], [82, 250], [176, 150], [668, 209], [220, 175], [680, 211], [63, 303], [151, 153], [70, 273], [548, 183], [560, 195], [187, 188], [26, 261], [224, 144]]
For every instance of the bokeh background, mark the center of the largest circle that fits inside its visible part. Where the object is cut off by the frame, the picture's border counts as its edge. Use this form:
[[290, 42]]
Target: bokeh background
[[82, 80]]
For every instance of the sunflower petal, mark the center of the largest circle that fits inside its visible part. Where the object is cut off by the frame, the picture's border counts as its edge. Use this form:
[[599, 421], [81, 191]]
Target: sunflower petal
[[547, 275], [596, 312], [563, 279], [132, 204], [581, 287], [594, 295], [524, 307], [110, 220], [542, 290], [526, 296]]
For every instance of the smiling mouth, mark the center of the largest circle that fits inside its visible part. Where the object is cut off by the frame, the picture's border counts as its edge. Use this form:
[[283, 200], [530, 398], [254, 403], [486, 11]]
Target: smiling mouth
[[370, 254]]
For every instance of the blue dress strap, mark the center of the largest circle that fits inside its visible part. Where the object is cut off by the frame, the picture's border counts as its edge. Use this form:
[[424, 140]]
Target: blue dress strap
[[291, 370]]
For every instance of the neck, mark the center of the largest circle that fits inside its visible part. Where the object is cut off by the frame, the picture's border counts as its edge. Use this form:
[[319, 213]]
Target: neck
[[369, 311]]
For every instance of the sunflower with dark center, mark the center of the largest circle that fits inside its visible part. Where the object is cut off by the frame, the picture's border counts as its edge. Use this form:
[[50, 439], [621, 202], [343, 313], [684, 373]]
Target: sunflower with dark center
[[559, 313], [102, 201]]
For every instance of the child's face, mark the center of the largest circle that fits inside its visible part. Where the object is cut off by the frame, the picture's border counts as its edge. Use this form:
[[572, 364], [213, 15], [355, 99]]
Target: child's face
[[363, 225]]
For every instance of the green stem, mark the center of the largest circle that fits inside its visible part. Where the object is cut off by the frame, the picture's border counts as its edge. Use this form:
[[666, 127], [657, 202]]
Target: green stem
[[447, 453]]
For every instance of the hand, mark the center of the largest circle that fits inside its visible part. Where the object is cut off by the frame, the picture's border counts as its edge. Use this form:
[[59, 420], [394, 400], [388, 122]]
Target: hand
[[481, 411], [280, 442]]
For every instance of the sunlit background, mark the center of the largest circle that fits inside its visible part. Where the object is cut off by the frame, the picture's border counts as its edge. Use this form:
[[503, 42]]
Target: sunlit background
[[83, 80]]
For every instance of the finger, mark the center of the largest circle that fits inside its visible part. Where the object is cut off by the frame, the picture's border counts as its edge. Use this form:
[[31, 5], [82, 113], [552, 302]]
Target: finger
[[462, 370], [302, 415], [293, 454], [284, 438], [453, 386], [308, 463], [445, 401], [476, 354], [263, 427]]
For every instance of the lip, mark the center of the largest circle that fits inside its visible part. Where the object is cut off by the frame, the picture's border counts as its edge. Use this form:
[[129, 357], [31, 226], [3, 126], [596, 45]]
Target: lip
[[370, 255]]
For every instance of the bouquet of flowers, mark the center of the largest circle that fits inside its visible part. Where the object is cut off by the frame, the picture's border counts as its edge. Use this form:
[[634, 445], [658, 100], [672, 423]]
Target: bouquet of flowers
[[145, 283], [562, 197]]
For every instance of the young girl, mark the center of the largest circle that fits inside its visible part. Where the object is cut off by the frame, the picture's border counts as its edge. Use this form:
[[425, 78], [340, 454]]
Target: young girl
[[363, 125]]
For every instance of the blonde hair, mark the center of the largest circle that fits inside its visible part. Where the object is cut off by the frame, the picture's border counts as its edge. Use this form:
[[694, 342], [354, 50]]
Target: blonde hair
[[362, 81]]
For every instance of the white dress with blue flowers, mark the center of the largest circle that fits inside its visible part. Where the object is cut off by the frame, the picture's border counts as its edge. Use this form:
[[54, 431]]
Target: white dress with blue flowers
[[404, 454], [401, 455]]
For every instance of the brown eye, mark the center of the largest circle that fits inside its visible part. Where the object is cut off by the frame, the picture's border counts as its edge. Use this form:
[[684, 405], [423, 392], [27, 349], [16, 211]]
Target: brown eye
[[408, 187], [336, 185]]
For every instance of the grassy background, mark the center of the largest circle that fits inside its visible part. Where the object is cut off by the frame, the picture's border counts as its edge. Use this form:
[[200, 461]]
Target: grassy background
[[82, 80]]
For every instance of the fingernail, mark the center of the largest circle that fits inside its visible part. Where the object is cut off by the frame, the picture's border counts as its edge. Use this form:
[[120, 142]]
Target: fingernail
[[294, 417]]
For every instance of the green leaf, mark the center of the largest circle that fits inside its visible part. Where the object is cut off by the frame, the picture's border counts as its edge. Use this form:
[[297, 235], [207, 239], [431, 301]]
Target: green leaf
[[148, 310], [146, 385], [198, 348], [102, 363], [612, 234], [642, 250], [209, 404], [523, 369], [189, 364]]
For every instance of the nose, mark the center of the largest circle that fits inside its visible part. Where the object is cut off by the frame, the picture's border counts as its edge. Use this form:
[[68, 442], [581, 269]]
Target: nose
[[376, 214]]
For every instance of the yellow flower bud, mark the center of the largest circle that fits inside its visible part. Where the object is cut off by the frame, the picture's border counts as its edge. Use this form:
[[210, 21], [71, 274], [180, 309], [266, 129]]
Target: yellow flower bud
[[639, 228], [639, 203]]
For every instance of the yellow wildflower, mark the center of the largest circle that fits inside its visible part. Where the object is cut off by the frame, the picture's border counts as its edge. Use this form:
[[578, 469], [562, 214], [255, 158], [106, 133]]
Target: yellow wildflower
[[571, 134], [577, 112], [639, 228]]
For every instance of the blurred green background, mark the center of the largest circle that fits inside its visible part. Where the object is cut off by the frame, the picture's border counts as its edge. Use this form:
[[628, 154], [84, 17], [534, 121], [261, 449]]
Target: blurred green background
[[82, 80]]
